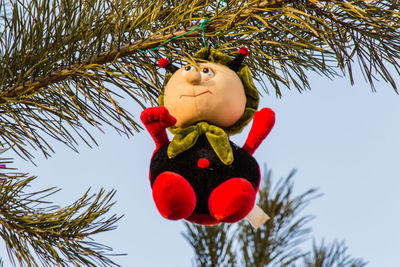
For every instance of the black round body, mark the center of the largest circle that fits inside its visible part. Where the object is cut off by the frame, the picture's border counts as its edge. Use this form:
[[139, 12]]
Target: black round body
[[205, 179]]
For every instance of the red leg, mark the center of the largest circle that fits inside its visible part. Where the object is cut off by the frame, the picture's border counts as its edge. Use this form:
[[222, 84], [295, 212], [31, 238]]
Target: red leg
[[263, 122], [156, 120], [174, 196], [232, 200]]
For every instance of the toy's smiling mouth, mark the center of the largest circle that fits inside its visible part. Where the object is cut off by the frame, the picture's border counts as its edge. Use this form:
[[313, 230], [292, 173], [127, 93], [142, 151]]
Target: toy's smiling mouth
[[202, 93]]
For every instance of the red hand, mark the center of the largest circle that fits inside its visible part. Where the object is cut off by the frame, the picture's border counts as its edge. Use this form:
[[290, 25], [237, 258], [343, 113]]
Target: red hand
[[156, 120], [263, 122]]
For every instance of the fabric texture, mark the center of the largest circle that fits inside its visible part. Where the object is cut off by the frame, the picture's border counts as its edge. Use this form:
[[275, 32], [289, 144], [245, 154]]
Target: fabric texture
[[173, 195], [232, 200], [205, 180], [263, 122], [156, 120], [200, 175], [187, 138], [251, 92]]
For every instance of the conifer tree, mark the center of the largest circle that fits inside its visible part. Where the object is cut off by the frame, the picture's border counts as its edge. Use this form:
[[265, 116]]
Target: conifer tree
[[66, 65], [35, 231], [276, 243]]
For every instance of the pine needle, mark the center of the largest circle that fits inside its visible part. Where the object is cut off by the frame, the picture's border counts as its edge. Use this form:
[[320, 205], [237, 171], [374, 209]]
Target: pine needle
[[81, 52]]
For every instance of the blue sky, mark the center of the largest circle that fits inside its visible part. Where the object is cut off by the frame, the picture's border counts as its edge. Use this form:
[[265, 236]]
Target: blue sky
[[342, 139]]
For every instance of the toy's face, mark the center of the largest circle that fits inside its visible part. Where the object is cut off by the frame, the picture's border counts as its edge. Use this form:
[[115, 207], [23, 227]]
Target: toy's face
[[208, 92]]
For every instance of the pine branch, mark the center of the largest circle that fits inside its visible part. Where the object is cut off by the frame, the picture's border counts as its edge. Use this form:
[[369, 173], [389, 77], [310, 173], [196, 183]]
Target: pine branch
[[273, 244], [125, 50], [276, 242], [250, 9], [71, 69], [213, 245], [35, 231], [331, 255]]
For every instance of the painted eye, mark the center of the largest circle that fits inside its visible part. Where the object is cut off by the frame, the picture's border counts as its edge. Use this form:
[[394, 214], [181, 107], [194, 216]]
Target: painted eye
[[206, 73], [205, 70], [189, 68]]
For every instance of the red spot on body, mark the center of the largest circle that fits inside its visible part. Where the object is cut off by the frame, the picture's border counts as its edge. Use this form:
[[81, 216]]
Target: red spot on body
[[203, 163]]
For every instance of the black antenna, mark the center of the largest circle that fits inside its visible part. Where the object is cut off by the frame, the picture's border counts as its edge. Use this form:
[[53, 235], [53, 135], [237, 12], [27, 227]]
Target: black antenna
[[165, 64], [237, 61]]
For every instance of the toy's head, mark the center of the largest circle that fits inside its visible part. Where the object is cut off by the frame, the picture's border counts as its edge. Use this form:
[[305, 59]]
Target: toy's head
[[215, 89]]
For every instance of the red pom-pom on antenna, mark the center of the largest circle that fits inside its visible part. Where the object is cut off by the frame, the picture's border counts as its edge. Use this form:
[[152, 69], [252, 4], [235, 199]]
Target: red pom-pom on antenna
[[163, 62], [244, 51]]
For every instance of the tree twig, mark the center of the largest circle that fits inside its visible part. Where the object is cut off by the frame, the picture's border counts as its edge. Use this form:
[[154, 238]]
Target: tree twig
[[34, 85]]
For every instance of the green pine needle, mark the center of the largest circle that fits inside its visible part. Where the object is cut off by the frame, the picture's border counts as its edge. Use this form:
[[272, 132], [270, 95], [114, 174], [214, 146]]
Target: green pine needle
[[70, 69], [38, 233]]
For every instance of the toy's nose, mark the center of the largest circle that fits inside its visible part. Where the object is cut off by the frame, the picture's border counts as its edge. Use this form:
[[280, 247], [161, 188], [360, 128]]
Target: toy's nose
[[193, 77]]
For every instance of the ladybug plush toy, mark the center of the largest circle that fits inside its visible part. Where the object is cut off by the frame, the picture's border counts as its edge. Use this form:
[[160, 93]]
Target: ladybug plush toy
[[201, 176]]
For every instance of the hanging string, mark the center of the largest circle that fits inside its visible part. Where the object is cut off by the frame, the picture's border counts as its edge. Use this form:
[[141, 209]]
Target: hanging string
[[202, 26]]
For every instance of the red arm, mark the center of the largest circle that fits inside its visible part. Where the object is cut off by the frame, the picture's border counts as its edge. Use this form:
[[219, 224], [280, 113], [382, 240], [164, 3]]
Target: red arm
[[263, 122], [156, 120]]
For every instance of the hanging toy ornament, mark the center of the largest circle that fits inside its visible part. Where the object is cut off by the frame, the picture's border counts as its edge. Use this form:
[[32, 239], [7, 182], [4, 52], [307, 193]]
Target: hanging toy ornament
[[201, 176]]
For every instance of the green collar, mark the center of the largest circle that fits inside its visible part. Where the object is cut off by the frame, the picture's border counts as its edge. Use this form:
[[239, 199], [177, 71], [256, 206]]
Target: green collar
[[187, 137]]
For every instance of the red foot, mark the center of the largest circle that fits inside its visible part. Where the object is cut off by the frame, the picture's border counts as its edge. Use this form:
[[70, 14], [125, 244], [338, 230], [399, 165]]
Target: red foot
[[232, 200], [174, 196]]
